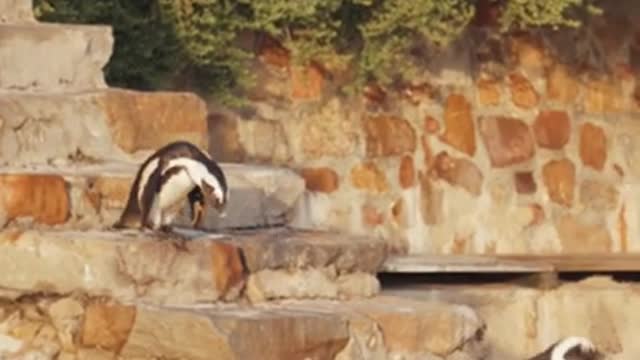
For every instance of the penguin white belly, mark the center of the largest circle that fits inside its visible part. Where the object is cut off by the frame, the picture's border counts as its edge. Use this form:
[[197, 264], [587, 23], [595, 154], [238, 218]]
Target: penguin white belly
[[169, 200]]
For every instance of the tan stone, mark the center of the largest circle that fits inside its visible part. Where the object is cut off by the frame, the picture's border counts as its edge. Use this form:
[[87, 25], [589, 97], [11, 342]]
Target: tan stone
[[581, 234], [388, 135], [552, 129], [321, 179], [110, 191], [431, 201], [459, 172], [561, 85], [559, 177], [598, 195], [369, 177], [525, 183], [371, 216], [332, 131], [459, 128], [488, 92], [602, 96], [307, 82], [143, 120], [593, 146], [107, 326], [227, 269], [508, 140], [523, 94], [399, 213], [406, 172], [41, 197], [528, 51], [224, 138]]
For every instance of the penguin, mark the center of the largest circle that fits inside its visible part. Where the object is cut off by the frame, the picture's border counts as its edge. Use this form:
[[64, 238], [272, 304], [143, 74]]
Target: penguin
[[570, 348], [174, 172]]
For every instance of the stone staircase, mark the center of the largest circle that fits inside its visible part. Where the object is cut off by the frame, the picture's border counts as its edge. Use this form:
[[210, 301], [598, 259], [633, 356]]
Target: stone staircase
[[70, 288]]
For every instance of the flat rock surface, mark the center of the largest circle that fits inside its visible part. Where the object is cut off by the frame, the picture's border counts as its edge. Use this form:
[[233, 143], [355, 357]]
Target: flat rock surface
[[146, 267], [94, 196], [53, 57], [16, 11], [374, 329], [97, 124]]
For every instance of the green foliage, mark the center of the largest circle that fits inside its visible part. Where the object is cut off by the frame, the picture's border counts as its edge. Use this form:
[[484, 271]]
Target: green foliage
[[194, 43]]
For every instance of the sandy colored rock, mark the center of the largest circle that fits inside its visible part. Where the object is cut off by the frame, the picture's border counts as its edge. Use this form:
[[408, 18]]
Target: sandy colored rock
[[53, 57], [552, 129], [528, 51], [525, 183], [488, 92], [224, 138], [583, 233], [431, 201], [406, 172], [593, 146], [598, 195], [431, 125], [559, 177], [322, 179], [369, 177], [16, 11], [459, 172], [388, 135], [107, 326], [458, 122], [40, 197], [508, 140], [523, 94], [562, 86], [371, 216], [139, 120], [330, 131]]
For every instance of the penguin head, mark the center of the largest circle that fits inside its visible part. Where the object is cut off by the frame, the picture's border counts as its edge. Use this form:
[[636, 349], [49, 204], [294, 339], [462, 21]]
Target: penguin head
[[214, 198]]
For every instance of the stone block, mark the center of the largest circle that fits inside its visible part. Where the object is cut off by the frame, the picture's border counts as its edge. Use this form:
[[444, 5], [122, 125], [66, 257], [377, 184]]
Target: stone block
[[96, 125], [369, 177], [322, 179], [16, 11], [204, 268], [53, 57], [593, 146], [523, 94], [95, 195], [459, 172], [559, 177], [388, 135], [508, 140], [552, 129], [459, 128]]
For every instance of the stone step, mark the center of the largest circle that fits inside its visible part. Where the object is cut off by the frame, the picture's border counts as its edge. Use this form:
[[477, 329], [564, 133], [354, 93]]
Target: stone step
[[85, 196], [253, 266], [97, 125], [16, 11], [53, 57], [372, 329]]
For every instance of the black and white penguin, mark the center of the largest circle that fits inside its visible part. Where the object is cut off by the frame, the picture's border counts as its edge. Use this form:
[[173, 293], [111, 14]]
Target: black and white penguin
[[175, 172], [570, 348]]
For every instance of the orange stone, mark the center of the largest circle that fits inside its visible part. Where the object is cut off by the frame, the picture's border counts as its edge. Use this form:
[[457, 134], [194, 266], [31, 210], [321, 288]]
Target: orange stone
[[388, 135], [523, 94], [622, 228], [528, 51], [431, 201], [321, 179], [307, 82], [111, 192], [107, 326], [459, 172], [406, 173], [593, 146], [580, 236], [431, 125], [41, 197], [227, 268], [559, 177], [525, 184], [371, 216], [551, 129], [603, 96], [508, 140], [488, 91], [369, 177], [459, 128], [561, 86]]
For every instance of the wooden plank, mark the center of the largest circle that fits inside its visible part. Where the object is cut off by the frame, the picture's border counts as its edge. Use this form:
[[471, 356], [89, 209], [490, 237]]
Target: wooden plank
[[460, 264], [512, 263]]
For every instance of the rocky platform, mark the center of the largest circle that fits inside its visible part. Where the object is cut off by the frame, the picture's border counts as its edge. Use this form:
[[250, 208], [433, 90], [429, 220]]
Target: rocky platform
[[92, 196], [522, 321], [386, 327]]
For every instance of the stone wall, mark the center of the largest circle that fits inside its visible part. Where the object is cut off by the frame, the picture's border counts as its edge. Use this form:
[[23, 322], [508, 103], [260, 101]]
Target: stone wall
[[520, 144]]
